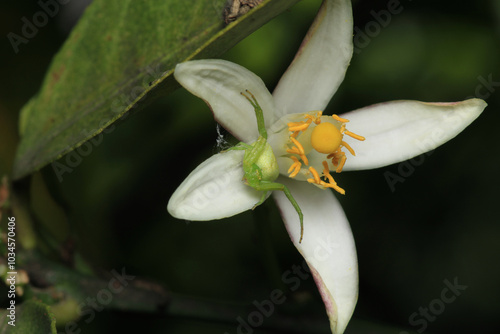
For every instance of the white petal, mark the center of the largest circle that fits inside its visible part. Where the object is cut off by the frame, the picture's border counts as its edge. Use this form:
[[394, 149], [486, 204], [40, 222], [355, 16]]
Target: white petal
[[400, 130], [214, 190], [327, 246], [321, 62], [220, 83]]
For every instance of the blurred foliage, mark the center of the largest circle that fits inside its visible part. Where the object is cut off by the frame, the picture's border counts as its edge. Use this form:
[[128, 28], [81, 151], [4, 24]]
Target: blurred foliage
[[30, 317], [440, 223]]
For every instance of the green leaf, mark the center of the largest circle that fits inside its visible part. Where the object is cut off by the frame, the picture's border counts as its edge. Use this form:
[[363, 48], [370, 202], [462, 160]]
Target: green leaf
[[30, 317], [119, 57]]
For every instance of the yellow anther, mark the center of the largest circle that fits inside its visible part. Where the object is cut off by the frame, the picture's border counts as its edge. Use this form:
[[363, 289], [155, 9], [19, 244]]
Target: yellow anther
[[340, 119], [326, 138], [316, 119], [333, 186], [295, 167], [338, 160], [299, 150], [294, 123], [326, 173], [298, 145], [293, 150], [296, 171], [295, 161], [311, 181], [298, 126], [331, 182], [322, 184], [335, 157], [304, 158], [341, 164], [349, 148], [315, 174], [342, 128], [353, 135], [326, 169]]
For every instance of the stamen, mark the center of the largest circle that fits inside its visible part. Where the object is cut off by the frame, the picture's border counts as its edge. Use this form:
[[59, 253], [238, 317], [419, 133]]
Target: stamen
[[341, 164], [293, 150], [340, 119], [299, 150], [326, 170], [295, 161], [296, 165], [315, 174], [298, 126], [332, 184], [316, 119], [353, 135], [326, 173], [297, 169], [342, 128], [336, 157], [313, 182], [349, 148], [298, 145], [304, 158]]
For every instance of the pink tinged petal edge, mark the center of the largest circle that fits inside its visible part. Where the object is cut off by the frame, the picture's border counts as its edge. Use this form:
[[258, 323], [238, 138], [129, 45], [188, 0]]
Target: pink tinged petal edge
[[220, 83], [321, 62], [214, 190], [400, 130], [328, 247]]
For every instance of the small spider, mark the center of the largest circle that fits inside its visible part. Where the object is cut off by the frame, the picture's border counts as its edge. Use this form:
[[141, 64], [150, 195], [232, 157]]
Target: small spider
[[260, 165]]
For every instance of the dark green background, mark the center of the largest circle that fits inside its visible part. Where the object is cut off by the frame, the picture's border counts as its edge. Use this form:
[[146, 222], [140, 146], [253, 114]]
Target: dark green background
[[441, 223]]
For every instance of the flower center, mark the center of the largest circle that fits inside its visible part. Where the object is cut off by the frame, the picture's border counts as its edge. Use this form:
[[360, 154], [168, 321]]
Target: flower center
[[326, 138]]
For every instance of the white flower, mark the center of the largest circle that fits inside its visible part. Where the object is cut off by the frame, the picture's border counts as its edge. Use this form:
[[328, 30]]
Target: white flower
[[394, 131]]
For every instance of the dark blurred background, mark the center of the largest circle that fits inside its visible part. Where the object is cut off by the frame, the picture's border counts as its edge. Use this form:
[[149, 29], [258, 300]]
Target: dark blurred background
[[437, 225]]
